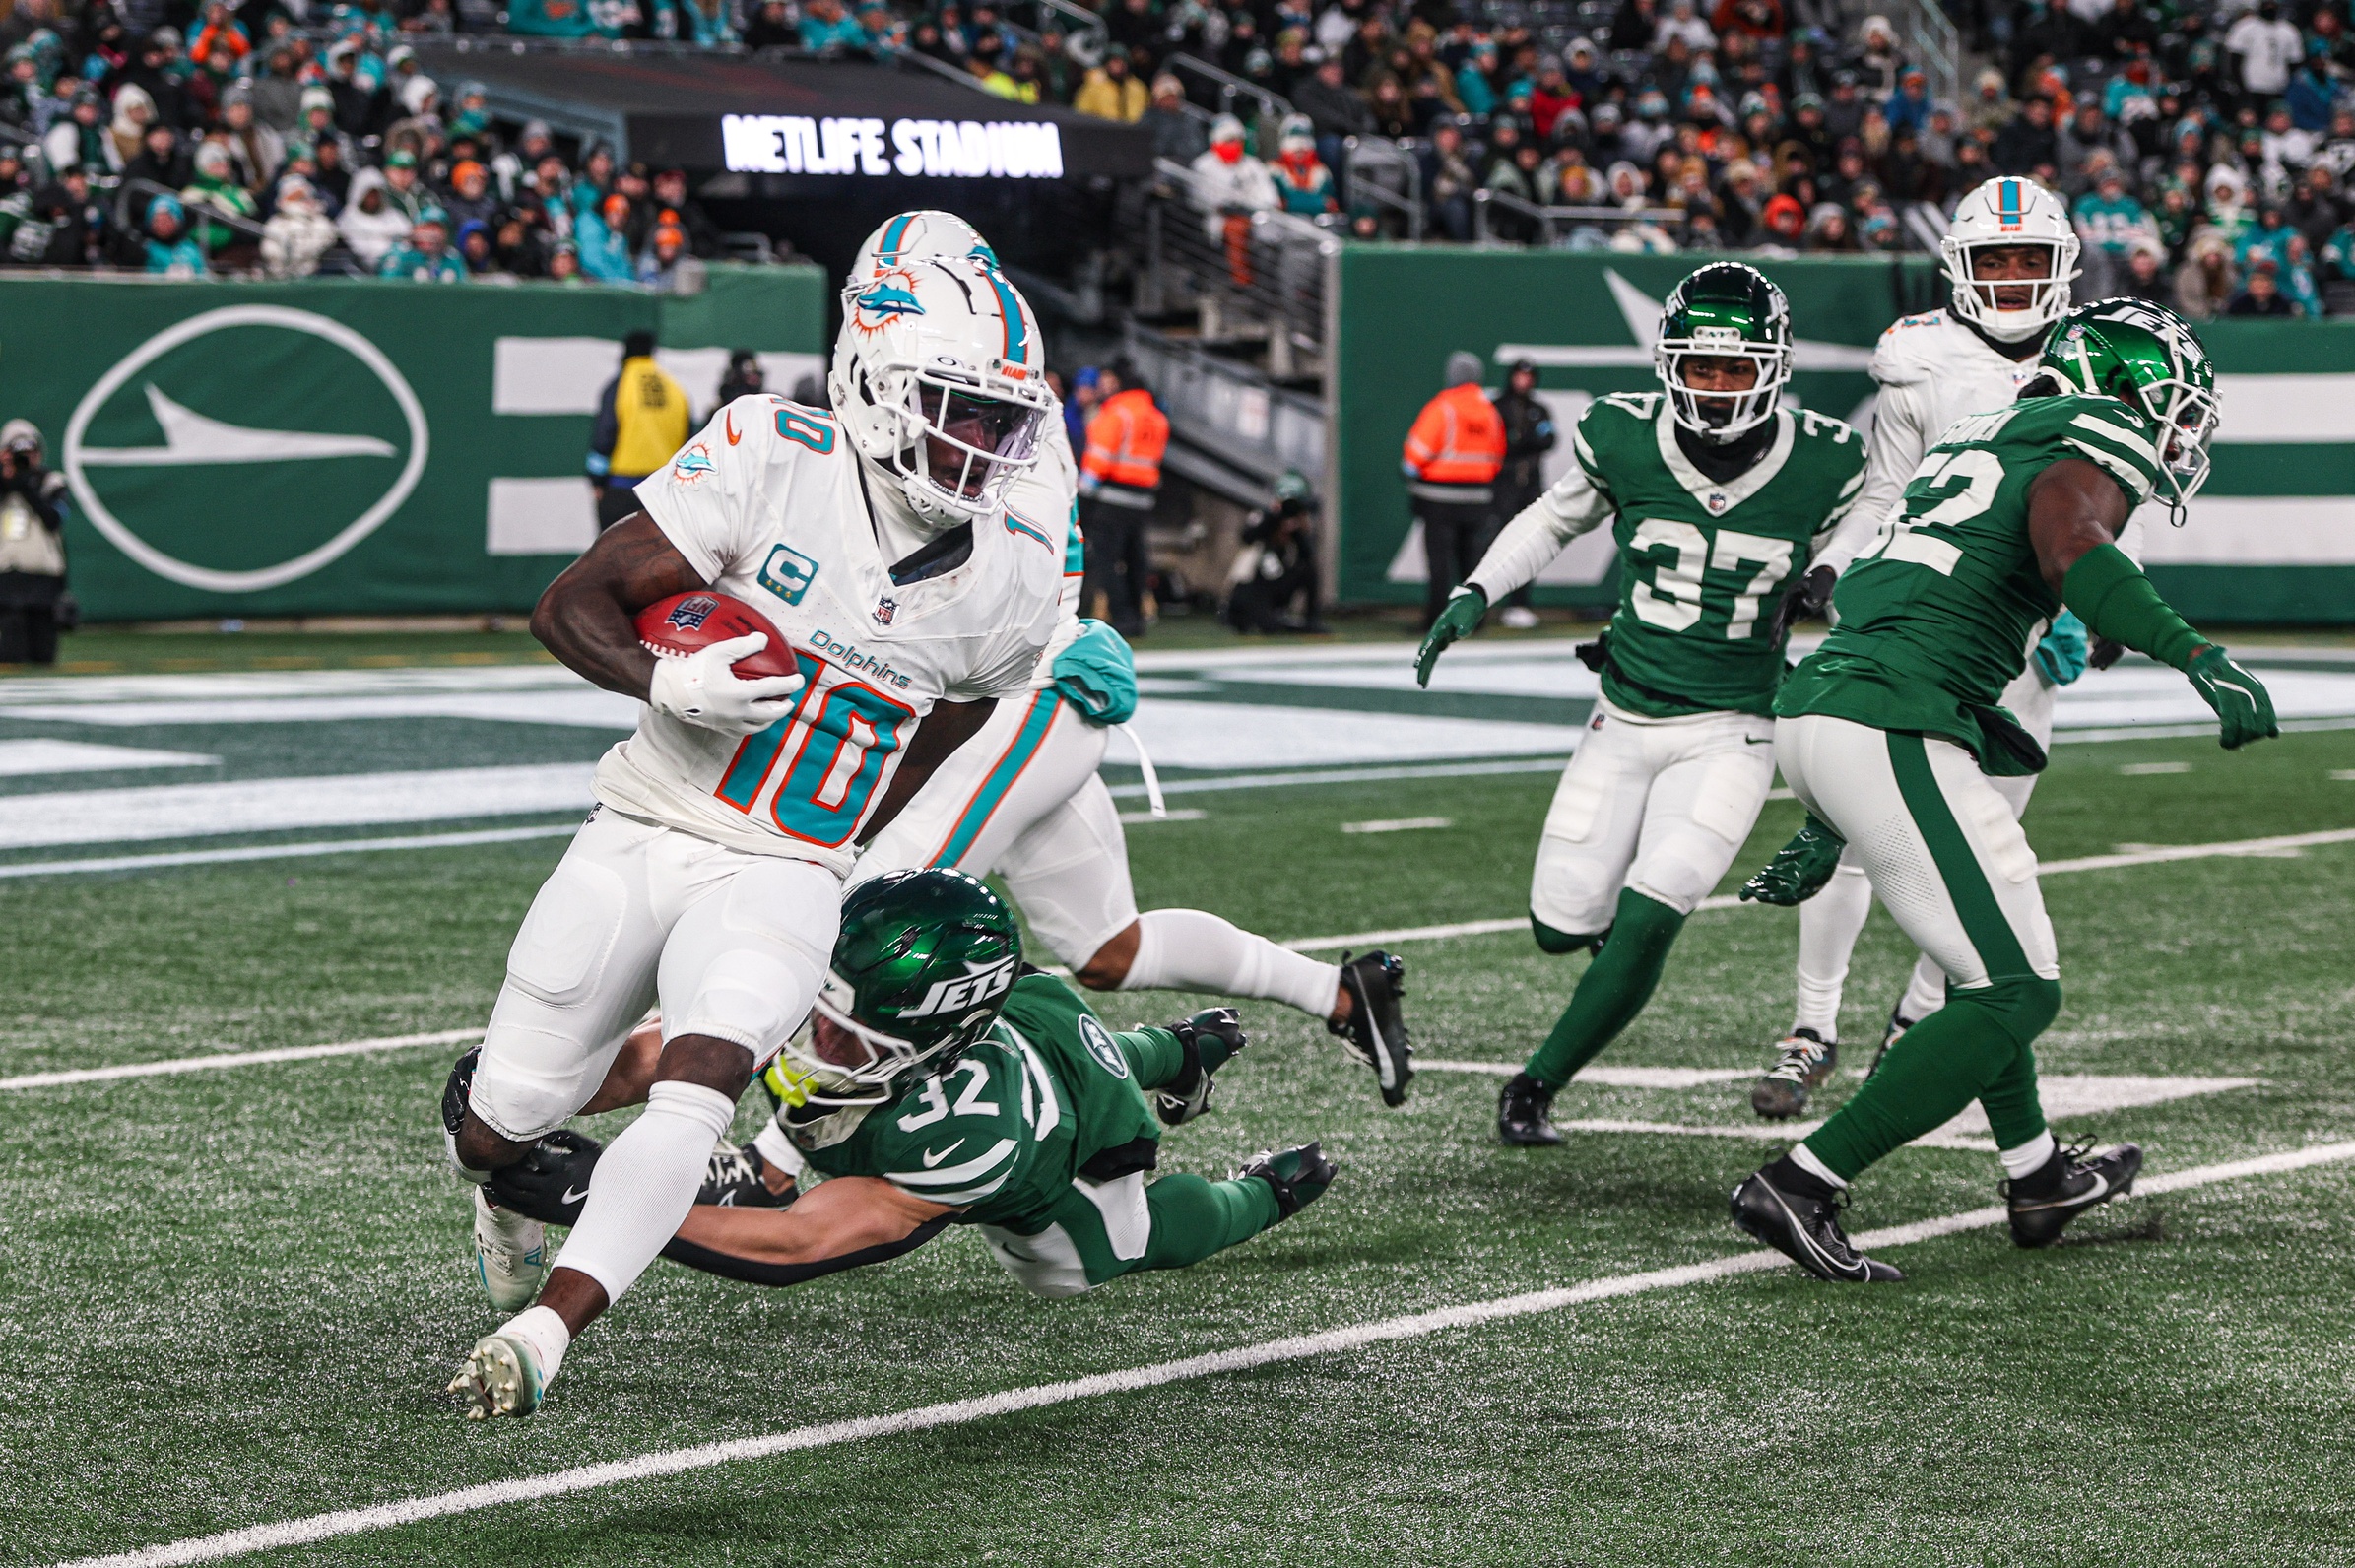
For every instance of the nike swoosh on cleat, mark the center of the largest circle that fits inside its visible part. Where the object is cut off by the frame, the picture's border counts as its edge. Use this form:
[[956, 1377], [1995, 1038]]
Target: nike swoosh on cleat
[[573, 1197], [1863, 1270], [933, 1157]]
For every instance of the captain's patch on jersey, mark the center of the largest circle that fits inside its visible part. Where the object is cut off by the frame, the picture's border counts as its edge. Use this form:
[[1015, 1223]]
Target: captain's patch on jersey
[[788, 573], [1101, 1046]]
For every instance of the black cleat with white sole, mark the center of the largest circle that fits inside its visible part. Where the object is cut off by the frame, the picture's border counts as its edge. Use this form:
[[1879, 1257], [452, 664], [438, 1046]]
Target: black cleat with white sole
[[1804, 1063], [1375, 1032], [2043, 1203], [1806, 1230], [1297, 1177], [1524, 1113]]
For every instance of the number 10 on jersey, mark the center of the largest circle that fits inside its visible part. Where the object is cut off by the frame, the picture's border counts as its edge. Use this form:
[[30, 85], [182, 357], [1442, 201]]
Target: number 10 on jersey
[[833, 746]]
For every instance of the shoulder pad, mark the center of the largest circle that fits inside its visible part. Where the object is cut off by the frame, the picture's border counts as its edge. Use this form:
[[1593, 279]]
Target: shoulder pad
[[1643, 405], [1907, 349], [1814, 426]]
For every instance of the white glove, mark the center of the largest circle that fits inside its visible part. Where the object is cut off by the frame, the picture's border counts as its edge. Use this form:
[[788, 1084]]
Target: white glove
[[701, 688]]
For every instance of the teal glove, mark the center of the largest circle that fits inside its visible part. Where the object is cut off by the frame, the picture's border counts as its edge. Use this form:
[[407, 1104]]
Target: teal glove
[[1799, 868], [1465, 609], [2243, 706], [1097, 674], [2062, 653]]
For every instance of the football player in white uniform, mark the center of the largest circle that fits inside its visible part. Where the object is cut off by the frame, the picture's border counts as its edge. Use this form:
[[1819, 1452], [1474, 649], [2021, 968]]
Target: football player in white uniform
[[877, 538], [2011, 256], [1022, 799]]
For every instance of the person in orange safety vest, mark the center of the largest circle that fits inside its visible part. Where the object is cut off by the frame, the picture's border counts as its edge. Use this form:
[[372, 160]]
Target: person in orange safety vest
[[1453, 455], [1119, 482]]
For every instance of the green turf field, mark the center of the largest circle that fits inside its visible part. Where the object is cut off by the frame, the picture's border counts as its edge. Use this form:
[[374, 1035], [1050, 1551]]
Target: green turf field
[[232, 1298]]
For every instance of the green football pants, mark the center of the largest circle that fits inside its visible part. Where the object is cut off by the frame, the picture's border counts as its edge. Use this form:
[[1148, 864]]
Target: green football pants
[[1100, 1230]]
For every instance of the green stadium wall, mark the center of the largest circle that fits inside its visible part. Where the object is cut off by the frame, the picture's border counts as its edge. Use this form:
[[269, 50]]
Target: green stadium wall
[[2270, 540], [349, 447]]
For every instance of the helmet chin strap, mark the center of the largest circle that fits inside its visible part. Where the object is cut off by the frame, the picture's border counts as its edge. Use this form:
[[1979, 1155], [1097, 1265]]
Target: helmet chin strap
[[901, 528]]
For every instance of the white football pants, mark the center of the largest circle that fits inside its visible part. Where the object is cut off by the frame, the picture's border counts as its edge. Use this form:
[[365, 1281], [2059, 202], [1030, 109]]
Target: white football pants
[[1022, 799], [1942, 844], [1830, 922], [735, 945], [1661, 806]]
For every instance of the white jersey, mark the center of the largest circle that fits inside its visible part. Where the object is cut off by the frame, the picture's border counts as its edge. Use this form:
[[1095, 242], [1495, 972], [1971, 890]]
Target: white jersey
[[767, 504], [1050, 494]]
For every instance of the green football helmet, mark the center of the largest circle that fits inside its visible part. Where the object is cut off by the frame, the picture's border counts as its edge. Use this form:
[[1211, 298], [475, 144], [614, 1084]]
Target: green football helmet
[[920, 971], [2146, 356], [1725, 310]]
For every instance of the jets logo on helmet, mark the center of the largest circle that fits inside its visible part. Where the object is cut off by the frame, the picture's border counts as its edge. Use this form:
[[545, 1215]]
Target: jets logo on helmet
[[920, 971], [2148, 358], [937, 378], [1722, 315], [2007, 215]]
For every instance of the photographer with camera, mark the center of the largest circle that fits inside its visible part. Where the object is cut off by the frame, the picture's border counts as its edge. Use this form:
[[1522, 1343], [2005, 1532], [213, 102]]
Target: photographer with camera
[[33, 604]]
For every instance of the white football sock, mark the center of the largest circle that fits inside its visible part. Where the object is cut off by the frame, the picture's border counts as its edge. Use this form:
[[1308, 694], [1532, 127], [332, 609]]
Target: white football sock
[[1804, 1158], [645, 1185], [1188, 950], [1828, 927], [778, 1150], [2029, 1158], [1926, 993], [545, 1331]]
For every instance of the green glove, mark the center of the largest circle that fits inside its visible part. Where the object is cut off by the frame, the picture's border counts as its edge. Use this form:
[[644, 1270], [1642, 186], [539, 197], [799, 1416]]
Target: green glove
[[1462, 616], [2243, 706], [1799, 868]]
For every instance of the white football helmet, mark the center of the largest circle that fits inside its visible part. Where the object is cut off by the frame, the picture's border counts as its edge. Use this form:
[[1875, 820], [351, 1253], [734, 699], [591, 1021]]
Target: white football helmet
[[913, 237], [939, 378], [2004, 212]]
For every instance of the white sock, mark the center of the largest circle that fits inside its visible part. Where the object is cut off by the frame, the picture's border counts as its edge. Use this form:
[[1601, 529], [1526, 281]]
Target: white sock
[[1188, 950], [1804, 1158], [1828, 927], [778, 1150], [545, 1331], [646, 1184], [1926, 993], [2029, 1158]]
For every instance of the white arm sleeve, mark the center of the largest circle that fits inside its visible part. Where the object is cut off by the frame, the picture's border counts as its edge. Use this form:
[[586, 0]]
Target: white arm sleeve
[[1892, 454], [1544, 527]]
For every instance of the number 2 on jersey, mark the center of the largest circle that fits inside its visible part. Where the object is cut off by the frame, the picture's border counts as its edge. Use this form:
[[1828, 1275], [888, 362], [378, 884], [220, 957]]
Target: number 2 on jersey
[[1679, 589], [843, 734]]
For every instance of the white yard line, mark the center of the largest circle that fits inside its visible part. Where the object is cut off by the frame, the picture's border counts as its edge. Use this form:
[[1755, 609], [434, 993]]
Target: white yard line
[[200, 1064], [962, 1412], [297, 851]]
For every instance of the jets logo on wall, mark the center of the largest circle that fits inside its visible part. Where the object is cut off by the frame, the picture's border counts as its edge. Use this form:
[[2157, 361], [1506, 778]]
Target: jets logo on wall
[[246, 448]]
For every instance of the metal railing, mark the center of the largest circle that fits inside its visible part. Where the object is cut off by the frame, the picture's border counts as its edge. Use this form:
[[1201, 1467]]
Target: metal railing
[[1252, 278], [1228, 413], [1229, 87], [1548, 223], [1376, 170], [140, 192], [1928, 35]]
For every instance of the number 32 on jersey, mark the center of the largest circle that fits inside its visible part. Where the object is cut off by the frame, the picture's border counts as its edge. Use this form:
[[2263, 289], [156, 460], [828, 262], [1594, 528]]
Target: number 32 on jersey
[[814, 772]]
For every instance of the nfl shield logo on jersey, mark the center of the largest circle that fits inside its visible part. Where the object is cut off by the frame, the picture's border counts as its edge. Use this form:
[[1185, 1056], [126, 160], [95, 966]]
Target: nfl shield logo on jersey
[[1715, 503], [885, 610]]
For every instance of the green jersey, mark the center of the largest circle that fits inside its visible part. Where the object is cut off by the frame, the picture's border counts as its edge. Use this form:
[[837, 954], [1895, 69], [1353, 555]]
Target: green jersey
[[1937, 618], [1046, 1095], [1702, 565]]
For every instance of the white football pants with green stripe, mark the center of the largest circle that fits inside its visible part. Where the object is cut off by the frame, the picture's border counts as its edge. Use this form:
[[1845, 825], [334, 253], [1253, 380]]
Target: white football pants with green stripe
[[1950, 862]]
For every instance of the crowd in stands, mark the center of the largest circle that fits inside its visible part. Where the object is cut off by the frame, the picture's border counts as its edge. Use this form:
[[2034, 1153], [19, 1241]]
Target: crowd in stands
[[246, 143], [2205, 148]]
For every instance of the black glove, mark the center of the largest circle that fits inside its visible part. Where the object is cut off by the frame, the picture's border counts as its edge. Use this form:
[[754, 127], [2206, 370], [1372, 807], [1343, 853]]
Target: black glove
[[1594, 655], [1808, 597], [551, 1183], [2105, 653]]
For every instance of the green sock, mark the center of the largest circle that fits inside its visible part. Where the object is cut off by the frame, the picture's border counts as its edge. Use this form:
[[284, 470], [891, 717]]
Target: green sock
[[1976, 1045], [1153, 1055], [1612, 991], [1194, 1218]]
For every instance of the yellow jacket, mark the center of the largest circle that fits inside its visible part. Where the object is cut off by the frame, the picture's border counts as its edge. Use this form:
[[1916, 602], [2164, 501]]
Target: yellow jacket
[[642, 419]]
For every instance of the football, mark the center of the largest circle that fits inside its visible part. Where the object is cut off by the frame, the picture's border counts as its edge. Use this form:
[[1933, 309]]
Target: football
[[689, 623]]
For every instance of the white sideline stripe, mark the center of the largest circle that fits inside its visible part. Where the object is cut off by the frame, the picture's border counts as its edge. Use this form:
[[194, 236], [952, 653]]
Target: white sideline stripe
[[961, 1413], [2053, 868], [297, 851], [199, 1064], [1606, 1074], [1768, 1132]]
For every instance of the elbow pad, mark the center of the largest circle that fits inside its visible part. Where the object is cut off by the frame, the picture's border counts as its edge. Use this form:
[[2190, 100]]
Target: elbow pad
[[2115, 600]]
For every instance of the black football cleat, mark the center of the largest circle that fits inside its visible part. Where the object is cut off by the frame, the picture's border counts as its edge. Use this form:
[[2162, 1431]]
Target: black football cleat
[[551, 1183], [1297, 1176], [738, 1178], [1892, 1033], [1188, 1095], [2043, 1204], [1806, 1230], [1524, 1112], [1802, 1066], [1375, 1031]]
